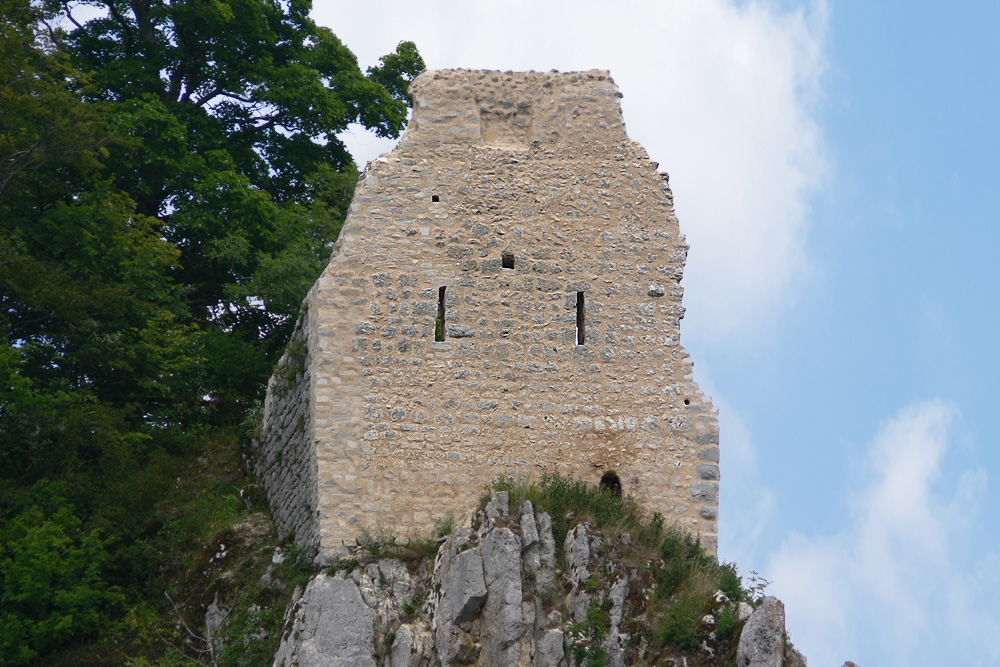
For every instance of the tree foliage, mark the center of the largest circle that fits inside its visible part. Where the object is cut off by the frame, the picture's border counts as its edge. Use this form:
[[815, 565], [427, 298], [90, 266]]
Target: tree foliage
[[228, 114], [171, 183]]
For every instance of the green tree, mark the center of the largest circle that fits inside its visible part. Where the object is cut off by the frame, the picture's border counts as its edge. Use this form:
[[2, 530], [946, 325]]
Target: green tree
[[52, 585], [91, 313], [171, 182], [230, 111]]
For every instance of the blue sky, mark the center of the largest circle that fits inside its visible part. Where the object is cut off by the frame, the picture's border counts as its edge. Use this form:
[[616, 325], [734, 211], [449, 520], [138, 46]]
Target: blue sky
[[835, 167]]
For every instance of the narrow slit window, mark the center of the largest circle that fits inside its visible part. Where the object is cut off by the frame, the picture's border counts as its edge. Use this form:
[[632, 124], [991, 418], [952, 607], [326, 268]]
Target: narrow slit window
[[508, 260], [580, 320], [439, 324]]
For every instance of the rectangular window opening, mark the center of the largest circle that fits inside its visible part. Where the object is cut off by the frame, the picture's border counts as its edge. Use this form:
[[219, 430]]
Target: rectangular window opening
[[508, 260], [439, 324], [580, 320]]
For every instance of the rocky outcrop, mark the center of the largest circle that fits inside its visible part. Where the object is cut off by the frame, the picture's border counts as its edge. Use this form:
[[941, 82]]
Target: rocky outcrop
[[762, 643], [332, 627], [495, 597]]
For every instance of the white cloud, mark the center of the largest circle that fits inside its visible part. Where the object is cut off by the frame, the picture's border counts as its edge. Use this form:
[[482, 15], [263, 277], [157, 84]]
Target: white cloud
[[889, 583], [717, 91]]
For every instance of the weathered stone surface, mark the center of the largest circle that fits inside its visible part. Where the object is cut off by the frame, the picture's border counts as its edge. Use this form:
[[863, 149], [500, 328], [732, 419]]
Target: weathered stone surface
[[215, 616], [462, 592], [549, 649], [332, 628], [501, 550], [466, 587], [498, 506], [709, 454], [285, 461], [460, 331], [613, 643], [708, 471], [545, 577], [705, 492], [762, 642], [511, 198], [401, 652], [708, 512], [529, 539], [529, 529], [577, 550], [483, 611], [381, 585]]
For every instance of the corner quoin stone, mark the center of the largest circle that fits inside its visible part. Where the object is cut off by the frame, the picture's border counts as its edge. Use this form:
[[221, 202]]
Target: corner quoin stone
[[516, 206]]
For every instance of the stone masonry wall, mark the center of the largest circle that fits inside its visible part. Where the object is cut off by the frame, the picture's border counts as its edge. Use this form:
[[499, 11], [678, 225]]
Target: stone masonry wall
[[285, 461], [536, 167]]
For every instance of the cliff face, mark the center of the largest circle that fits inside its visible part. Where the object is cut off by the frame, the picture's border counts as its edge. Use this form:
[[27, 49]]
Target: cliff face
[[502, 592]]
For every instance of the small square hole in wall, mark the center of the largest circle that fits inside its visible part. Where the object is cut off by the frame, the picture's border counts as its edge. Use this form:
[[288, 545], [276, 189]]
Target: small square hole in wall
[[435, 198], [508, 260]]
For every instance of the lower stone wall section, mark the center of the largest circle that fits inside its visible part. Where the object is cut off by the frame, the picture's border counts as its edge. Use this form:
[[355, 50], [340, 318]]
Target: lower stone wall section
[[285, 461]]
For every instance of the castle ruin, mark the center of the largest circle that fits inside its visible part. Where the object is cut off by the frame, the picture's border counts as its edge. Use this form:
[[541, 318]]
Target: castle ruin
[[504, 299]]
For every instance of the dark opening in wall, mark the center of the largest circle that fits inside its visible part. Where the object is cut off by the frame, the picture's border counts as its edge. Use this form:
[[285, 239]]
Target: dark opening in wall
[[439, 324], [611, 483], [687, 401], [580, 317], [508, 260], [435, 198]]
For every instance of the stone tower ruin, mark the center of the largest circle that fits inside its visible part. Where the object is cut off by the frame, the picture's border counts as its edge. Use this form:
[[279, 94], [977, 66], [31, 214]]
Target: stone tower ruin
[[504, 299]]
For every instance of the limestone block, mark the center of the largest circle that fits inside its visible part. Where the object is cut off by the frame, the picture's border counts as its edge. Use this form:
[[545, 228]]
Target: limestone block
[[332, 628], [762, 642]]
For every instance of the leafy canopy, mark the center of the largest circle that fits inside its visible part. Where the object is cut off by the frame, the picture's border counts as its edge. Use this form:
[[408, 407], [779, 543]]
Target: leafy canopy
[[171, 183]]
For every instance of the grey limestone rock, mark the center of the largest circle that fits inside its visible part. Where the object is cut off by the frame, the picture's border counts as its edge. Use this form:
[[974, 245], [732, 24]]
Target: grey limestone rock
[[529, 530], [460, 331], [215, 617], [762, 642], [498, 506], [577, 550], [613, 643], [709, 454], [705, 492], [529, 539], [545, 577], [462, 592], [578, 553], [466, 587], [401, 652], [708, 471], [502, 612], [382, 585], [549, 649], [332, 627]]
